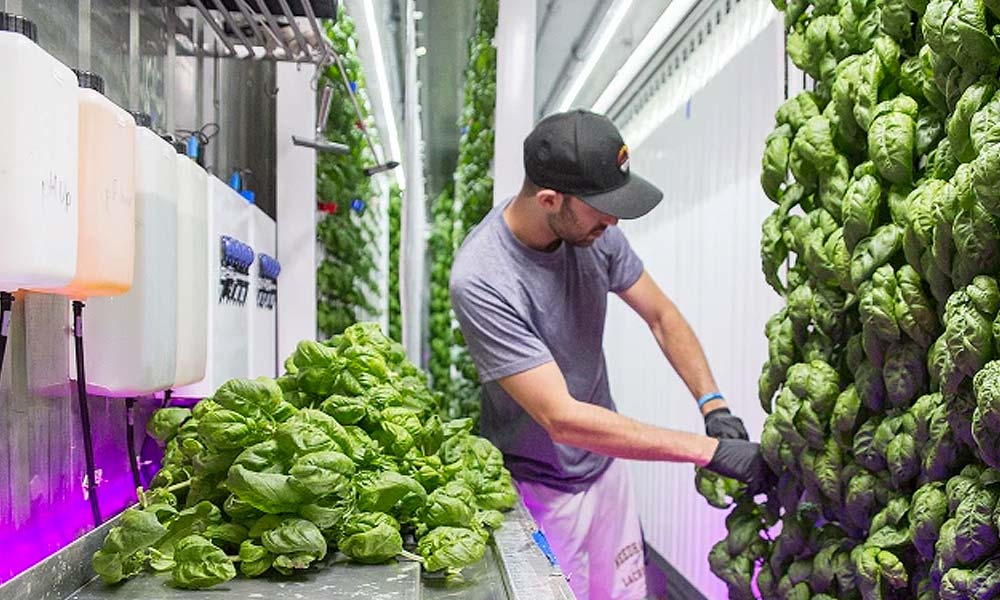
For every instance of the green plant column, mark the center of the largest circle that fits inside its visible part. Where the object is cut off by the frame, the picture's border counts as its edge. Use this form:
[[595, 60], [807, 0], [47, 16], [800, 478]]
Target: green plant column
[[455, 212], [347, 230], [442, 247], [881, 382], [395, 221], [452, 370]]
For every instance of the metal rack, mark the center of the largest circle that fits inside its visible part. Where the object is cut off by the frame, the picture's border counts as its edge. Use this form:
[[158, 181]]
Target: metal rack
[[255, 31], [259, 32]]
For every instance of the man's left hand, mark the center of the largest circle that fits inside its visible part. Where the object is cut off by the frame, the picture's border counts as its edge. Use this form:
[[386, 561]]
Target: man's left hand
[[724, 425]]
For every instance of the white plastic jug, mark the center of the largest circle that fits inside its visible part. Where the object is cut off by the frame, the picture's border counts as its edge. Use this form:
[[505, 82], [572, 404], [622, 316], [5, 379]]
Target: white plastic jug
[[193, 271], [106, 241], [38, 162], [263, 323], [105, 257], [131, 340], [230, 260]]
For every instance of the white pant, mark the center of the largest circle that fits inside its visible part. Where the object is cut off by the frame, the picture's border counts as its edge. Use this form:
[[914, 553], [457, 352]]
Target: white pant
[[594, 534]]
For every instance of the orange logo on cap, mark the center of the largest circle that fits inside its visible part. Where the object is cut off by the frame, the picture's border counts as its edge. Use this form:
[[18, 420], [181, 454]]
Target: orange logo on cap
[[623, 159]]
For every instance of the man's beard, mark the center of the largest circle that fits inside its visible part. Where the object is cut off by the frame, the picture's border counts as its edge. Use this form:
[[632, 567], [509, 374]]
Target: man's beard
[[566, 227]]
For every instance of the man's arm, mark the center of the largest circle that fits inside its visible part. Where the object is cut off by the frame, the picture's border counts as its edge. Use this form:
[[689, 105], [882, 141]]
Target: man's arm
[[675, 337], [543, 394]]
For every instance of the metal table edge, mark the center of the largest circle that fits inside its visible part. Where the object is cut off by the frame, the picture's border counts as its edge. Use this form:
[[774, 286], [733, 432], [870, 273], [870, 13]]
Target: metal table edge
[[60, 574]]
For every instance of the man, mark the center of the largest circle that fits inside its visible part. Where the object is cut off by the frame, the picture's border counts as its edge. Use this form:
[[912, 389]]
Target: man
[[529, 287]]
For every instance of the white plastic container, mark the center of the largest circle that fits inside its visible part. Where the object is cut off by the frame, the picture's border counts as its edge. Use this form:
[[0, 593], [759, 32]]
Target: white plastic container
[[105, 257], [194, 209], [228, 338], [38, 162], [263, 323], [131, 340]]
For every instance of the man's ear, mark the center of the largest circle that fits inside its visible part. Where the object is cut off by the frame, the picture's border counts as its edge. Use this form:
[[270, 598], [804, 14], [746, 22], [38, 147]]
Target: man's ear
[[550, 200]]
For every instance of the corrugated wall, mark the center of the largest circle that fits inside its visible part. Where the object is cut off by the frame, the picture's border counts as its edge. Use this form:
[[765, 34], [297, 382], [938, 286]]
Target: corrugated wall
[[702, 246]]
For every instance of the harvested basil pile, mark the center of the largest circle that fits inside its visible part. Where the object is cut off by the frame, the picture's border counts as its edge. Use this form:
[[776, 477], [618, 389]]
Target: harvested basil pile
[[346, 451]]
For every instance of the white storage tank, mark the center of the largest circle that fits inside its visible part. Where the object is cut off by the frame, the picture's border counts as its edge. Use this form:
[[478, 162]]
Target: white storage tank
[[131, 339], [230, 260], [263, 323], [105, 255], [106, 240], [38, 162], [194, 209]]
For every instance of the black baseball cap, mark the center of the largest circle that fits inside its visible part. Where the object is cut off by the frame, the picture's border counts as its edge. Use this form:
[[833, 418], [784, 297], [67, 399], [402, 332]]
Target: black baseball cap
[[581, 153]]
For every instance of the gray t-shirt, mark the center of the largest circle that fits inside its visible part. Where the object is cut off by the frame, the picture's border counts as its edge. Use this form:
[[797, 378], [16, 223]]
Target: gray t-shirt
[[519, 308]]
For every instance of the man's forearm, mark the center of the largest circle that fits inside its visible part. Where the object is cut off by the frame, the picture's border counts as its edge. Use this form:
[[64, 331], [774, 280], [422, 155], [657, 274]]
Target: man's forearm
[[682, 348], [606, 432]]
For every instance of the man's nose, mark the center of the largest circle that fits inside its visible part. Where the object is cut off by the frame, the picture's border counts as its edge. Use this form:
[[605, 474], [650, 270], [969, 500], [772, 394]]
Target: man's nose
[[611, 221]]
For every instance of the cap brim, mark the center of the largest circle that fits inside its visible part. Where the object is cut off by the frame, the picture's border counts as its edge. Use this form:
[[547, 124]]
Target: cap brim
[[630, 201]]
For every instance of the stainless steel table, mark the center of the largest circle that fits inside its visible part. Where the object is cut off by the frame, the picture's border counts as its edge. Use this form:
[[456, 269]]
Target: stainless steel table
[[513, 568]]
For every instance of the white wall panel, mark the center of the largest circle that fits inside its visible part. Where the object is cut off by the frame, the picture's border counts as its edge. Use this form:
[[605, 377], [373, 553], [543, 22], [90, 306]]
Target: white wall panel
[[702, 246], [296, 203]]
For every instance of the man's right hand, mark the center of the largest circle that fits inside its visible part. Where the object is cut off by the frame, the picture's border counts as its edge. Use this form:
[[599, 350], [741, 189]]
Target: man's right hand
[[742, 460]]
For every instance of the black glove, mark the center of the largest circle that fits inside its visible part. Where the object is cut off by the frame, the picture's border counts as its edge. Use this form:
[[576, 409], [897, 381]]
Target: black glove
[[742, 460], [724, 425]]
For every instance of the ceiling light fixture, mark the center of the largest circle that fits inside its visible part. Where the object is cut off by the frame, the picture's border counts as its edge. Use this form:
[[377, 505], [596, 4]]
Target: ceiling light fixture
[[640, 57], [385, 92], [614, 18]]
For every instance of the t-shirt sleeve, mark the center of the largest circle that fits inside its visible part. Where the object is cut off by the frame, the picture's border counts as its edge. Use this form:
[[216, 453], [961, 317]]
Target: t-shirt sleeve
[[500, 341], [624, 265]]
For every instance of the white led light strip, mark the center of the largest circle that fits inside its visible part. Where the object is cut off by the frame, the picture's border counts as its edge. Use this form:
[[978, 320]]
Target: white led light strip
[[385, 92], [652, 42], [699, 52], [615, 16]]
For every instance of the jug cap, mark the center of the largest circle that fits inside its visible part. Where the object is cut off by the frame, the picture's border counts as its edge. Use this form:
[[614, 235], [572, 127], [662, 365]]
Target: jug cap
[[142, 119], [249, 196], [18, 24], [90, 80]]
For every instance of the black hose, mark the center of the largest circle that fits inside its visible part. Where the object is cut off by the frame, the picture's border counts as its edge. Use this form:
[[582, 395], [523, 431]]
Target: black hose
[[81, 394], [133, 458], [6, 301]]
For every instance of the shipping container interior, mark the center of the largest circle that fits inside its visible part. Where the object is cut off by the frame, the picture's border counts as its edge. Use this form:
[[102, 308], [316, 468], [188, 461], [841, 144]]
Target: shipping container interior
[[227, 184]]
